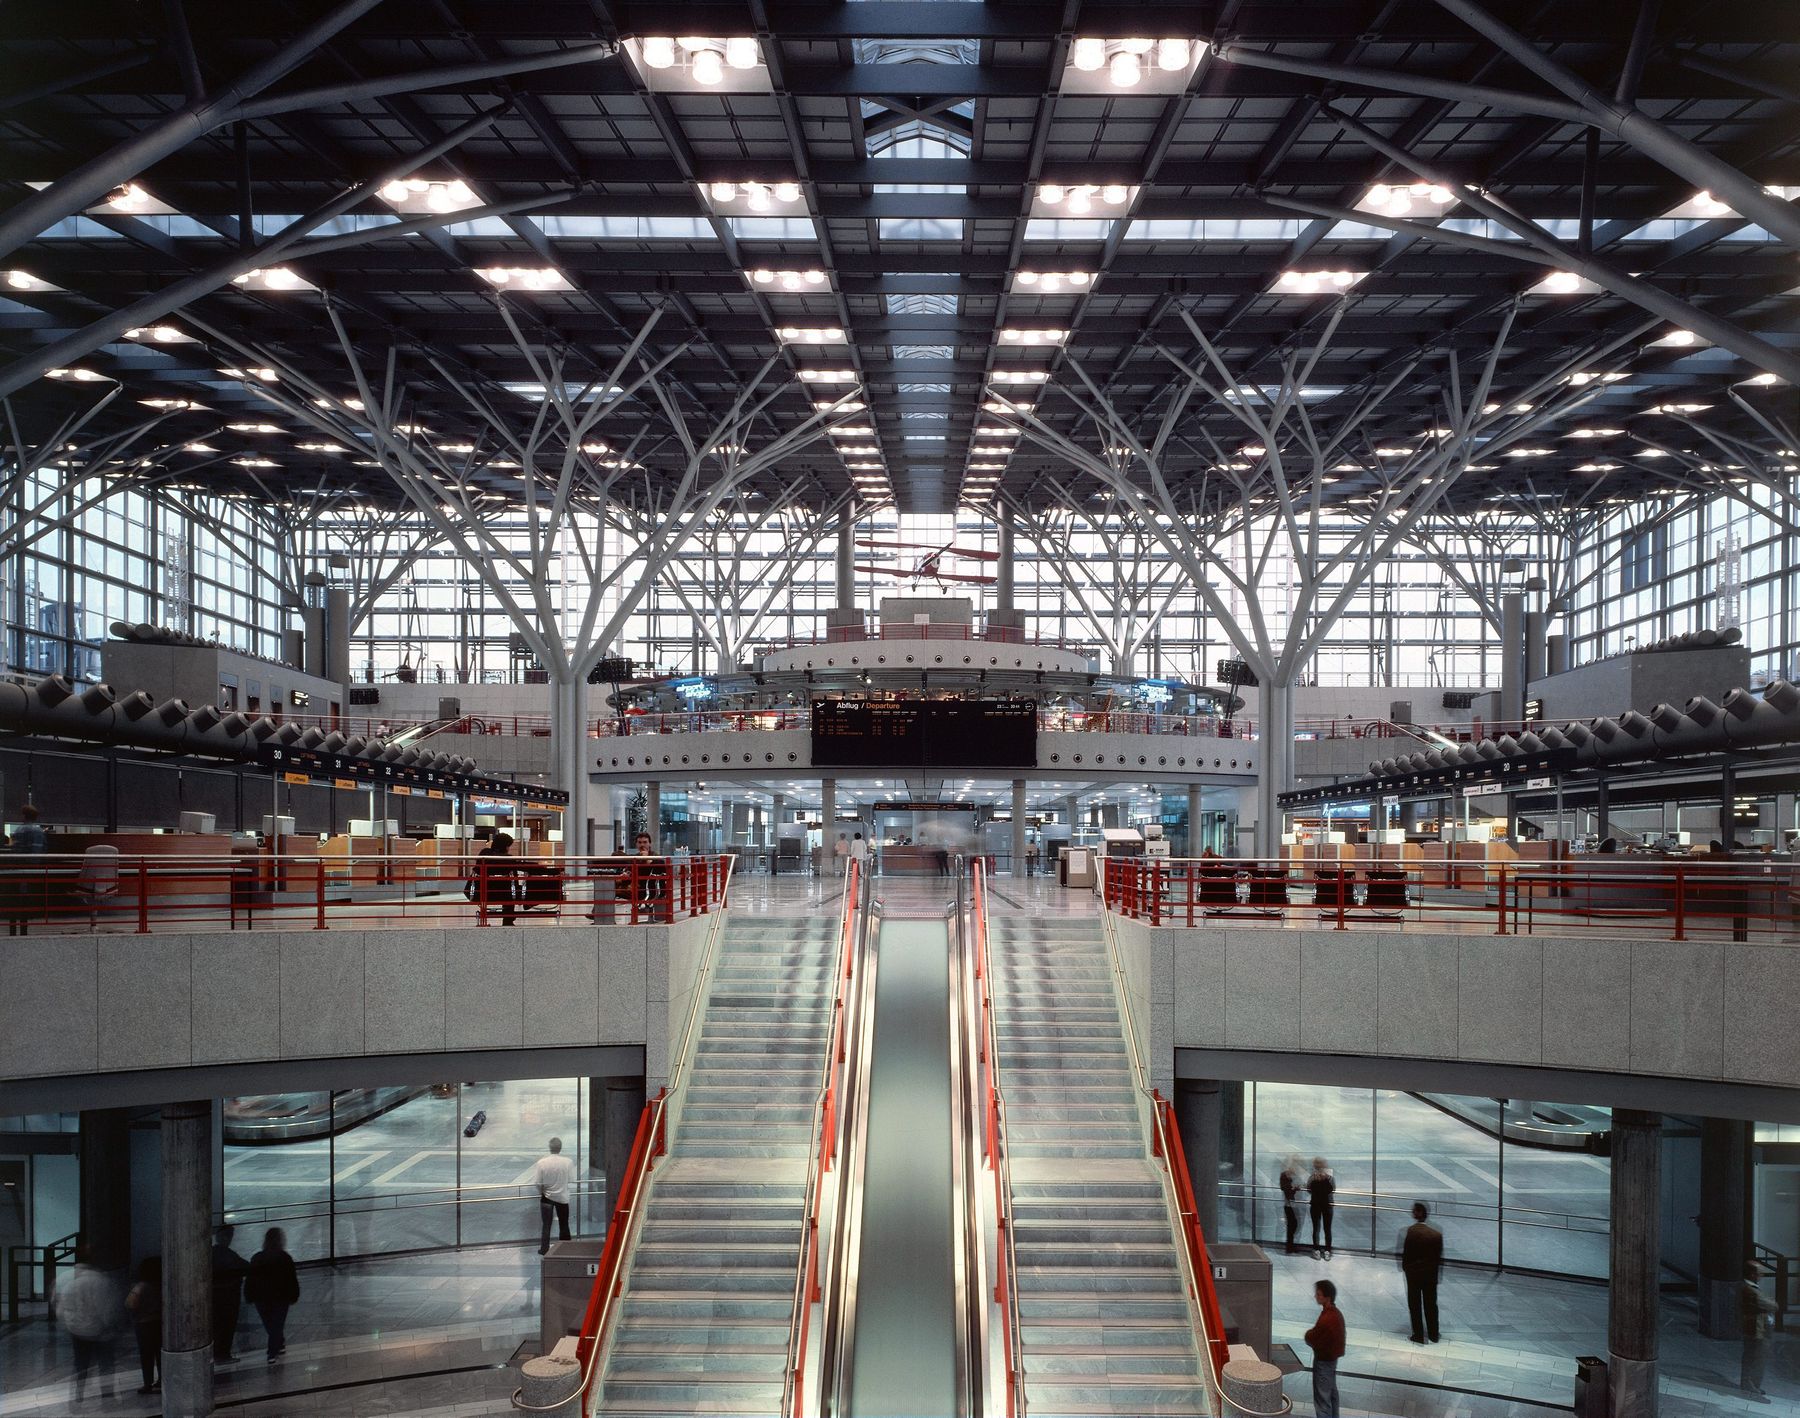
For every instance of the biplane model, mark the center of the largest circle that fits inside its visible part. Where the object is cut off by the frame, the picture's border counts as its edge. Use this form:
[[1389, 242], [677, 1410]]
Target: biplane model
[[930, 566]]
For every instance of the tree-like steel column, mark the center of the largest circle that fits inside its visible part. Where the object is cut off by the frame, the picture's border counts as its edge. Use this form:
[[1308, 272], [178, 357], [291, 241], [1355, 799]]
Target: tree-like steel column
[[1249, 530]]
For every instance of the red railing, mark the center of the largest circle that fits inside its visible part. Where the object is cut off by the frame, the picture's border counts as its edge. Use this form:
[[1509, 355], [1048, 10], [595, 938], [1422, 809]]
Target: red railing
[[1166, 1143], [649, 1143], [141, 893], [807, 1292], [1639, 895], [993, 1139]]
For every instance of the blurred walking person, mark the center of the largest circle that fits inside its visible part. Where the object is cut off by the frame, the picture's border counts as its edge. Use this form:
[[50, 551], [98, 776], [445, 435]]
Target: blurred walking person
[[89, 1306], [1321, 1191], [144, 1300], [1754, 1309], [228, 1271], [274, 1288], [1291, 1177]]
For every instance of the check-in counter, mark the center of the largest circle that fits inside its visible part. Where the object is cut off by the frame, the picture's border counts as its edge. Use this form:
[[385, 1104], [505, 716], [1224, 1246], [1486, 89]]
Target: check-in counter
[[910, 860]]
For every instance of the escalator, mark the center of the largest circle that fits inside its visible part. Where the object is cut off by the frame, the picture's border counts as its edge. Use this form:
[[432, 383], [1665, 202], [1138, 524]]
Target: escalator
[[904, 1322]]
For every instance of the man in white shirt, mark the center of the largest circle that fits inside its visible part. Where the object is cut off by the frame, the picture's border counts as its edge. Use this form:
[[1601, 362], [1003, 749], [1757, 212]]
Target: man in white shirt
[[554, 1176], [859, 851]]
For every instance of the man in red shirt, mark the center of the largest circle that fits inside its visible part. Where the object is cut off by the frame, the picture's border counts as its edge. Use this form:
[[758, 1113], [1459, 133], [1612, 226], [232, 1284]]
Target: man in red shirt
[[1326, 1340]]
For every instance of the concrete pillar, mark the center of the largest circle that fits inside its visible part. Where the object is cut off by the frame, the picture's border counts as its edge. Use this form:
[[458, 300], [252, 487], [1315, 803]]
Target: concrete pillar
[[777, 811], [187, 1173], [1196, 816], [1602, 807], [653, 814], [1275, 766], [1003, 569], [1198, 1114], [1727, 804], [1512, 658], [106, 1186], [1556, 654], [1636, 1237], [622, 1105], [1018, 827], [758, 827], [846, 564], [1536, 648], [1071, 813], [828, 828], [1724, 1215]]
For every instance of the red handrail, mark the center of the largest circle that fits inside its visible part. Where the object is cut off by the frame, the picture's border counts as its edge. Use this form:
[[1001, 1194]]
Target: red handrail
[[609, 1279], [809, 1292], [990, 1048], [1206, 1295]]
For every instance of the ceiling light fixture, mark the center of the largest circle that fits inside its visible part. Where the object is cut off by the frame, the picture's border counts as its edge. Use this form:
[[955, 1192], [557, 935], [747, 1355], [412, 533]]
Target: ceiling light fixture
[[1126, 62], [1679, 340], [757, 196], [1586, 377], [25, 281], [1052, 282], [811, 335], [272, 278], [170, 405], [1596, 432], [260, 372], [1081, 198], [704, 58], [421, 195], [524, 278], [1678, 409], [1403, 199], [76, 375], [1019, 376], [828, 376], [1015, 336], [160, 335], [1563, 283], [1316, 282], [254, 427], [787, 280]]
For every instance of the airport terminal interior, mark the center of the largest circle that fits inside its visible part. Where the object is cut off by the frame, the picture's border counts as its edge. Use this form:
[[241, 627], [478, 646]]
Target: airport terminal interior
[[899, 708]]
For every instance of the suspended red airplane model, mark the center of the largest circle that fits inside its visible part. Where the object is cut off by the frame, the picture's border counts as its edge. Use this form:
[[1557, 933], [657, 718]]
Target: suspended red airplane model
[[931, 564]]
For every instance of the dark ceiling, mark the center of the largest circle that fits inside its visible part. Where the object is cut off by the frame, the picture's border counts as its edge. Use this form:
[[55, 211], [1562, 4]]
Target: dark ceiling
[[922, 136]]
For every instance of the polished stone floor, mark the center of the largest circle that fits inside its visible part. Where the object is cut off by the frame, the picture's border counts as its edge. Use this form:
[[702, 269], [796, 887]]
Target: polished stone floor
[[1506, 1338]]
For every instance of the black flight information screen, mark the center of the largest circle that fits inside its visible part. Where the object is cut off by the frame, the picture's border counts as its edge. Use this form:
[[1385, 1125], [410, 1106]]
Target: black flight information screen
[[924, 733]]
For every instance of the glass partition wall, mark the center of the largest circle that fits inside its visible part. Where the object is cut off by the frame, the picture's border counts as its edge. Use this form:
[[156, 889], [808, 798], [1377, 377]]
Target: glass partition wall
[[1497, 1200], [377, 1171]]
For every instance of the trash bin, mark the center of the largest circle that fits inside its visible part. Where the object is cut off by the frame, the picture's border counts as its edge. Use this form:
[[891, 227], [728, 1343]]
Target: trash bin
[[569, 1272], [1590, 1387]]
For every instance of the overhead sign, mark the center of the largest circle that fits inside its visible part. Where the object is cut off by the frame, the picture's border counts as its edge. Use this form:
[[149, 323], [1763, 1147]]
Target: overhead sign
[[940, 733], [340, 770], [906, 805], [1533, 784]]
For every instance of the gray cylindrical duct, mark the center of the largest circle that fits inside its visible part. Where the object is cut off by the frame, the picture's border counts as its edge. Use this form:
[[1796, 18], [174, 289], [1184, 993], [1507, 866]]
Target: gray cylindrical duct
[[1784, 696], [354, 746], [97, 698], [333, 742], [288, 735], [310, 738], [133, 707], [1730, 635], [53, 689], [204, 718], [234, 725], [1487, 751], [1703, 711]]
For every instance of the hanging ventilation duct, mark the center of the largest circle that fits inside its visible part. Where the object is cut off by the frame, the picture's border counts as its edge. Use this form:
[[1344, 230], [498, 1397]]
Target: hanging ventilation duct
[[1743, 720], [55, 708]]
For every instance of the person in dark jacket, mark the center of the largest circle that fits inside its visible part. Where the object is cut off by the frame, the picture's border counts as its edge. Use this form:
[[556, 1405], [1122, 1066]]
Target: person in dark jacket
[[1321, 1190], [1326, 1340], [1291, 1177], [273, 1287], [1421, 1261], [27, 891], [496, 879], [228, 1270], [145, 1303]]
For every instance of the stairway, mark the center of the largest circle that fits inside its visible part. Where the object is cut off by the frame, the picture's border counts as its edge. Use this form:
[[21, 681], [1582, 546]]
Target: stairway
[[1105, 1328], [703, 1321]]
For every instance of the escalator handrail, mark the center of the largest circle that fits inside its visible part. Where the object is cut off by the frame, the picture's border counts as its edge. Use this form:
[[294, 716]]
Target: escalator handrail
[[1006, 1283], [826, 1126], [650, 1142], [1165, 1139]]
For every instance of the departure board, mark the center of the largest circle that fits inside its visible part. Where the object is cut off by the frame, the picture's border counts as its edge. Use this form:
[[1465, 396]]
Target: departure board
[[924, 733]]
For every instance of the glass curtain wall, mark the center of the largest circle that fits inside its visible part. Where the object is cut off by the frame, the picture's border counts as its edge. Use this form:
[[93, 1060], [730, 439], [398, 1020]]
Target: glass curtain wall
[[374, 1171], [1498, 1203]]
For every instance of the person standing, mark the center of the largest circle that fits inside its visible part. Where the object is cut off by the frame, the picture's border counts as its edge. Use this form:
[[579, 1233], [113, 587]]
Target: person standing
[[496, 879], [1290, 1200], [859, 853], [554, 1176], [1326, 1340], [27, 841], [87, 1305], [228, 1271], [274, 1288], [840, 855], [145, 1303], [1754, 1309], [1321, 1190], [1421, 1262]]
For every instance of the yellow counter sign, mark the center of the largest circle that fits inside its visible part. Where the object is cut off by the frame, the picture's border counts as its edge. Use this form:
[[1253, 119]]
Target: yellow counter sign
[[295, 778], [343, 782]]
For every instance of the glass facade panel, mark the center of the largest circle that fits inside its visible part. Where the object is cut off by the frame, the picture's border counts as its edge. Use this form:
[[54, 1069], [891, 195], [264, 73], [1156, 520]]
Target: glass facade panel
[[377, 1170], [1524, 1206]]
